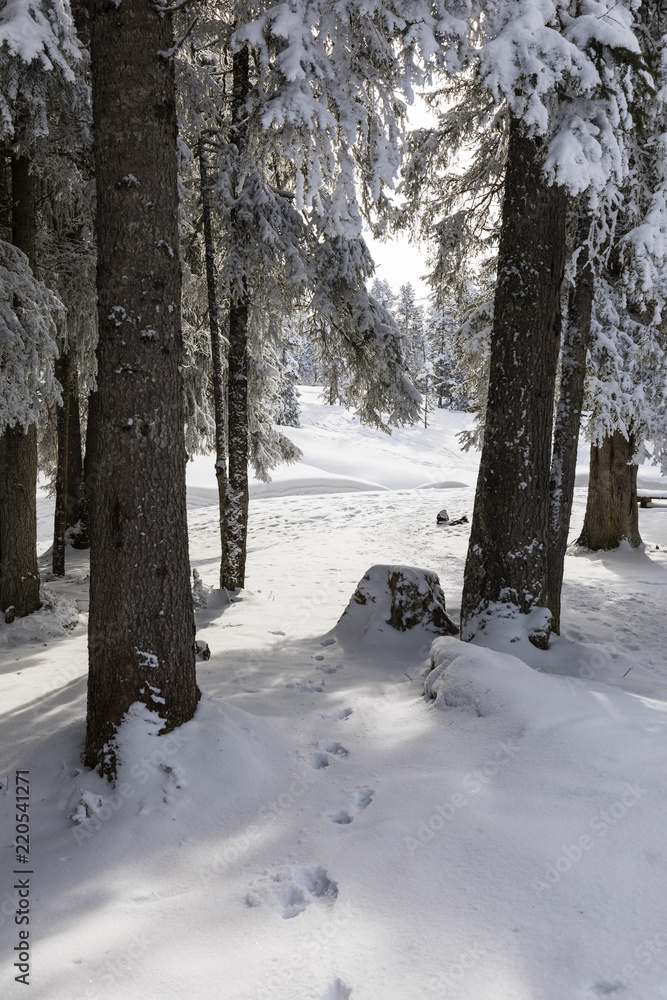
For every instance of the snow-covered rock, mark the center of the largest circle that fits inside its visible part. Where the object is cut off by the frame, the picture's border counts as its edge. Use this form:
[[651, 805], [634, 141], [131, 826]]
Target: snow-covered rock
[[399, 596]]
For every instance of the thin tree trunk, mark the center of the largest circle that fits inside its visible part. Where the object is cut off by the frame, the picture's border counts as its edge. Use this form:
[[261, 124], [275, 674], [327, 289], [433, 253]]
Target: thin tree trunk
[[232, 572], [611, 509], [219, 401], [62, 466], [74, 457], [506, 561], [568, 418], [141, 622], [81, 539], [24, 233], [19, 574]]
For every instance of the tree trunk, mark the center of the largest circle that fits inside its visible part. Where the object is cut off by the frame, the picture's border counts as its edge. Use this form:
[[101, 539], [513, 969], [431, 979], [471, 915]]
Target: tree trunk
[[611, 508], [235, 532], [74, 458], [19, 575], [141, 622], [81, 540], [24, 231], [568, 418], [62, 467], [507, 552], [219, 402]]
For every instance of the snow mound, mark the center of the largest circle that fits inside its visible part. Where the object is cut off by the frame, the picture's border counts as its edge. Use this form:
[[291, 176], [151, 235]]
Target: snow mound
[[486, 682], [53, 620]]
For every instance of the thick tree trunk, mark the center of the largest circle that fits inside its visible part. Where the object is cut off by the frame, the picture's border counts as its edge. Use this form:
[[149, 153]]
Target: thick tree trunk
[[74, 457], [611, 508], [507, 552], [19, 575], [62, 467], [219, 402], [235, 531], [568, 418], [141, 623]]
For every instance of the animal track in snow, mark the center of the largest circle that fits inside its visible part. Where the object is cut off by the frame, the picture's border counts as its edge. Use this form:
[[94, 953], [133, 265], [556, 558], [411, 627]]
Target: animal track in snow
[[344, 713], [296, 889], [338, 990], [318, 761], [341, 817], [326, 668], [364, 797], [306, 687], [332, 747]]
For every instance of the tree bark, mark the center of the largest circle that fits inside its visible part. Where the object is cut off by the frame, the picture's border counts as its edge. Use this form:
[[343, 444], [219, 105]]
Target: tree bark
[[506, 562], [611, 509], [141, 622], [24, 232], [235, 532], [19, 574], [62, 467], [568, 418], [219, 401]]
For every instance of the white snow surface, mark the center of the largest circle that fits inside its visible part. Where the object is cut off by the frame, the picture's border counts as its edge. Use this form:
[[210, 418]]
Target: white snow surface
[[321, 830]]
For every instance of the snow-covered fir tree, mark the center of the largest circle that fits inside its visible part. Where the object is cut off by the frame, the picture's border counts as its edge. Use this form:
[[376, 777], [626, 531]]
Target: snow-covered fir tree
[[39, 52]]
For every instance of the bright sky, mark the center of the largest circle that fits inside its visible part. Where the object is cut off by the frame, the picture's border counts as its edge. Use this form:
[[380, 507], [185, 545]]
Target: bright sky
[[397, 260]]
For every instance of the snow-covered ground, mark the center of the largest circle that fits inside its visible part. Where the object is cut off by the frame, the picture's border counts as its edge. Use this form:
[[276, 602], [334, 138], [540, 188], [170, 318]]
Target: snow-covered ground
[[320, 830]]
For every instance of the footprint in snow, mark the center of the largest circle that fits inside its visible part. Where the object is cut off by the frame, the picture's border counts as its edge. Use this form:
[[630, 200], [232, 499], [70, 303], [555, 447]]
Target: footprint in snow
[[318, 761], [306, 687], [344, 713], [332, 747], [338, 990], [341, 817], [362, 799], [296, 889], [326, 668]]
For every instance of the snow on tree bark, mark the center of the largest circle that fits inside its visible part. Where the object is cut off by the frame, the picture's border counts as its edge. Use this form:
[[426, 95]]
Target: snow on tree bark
[[611, 507], [232, 570], [507, 554], [568, 417], [141, 624]]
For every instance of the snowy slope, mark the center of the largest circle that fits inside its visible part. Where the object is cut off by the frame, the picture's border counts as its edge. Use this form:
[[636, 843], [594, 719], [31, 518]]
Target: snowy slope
[[322, 831]]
